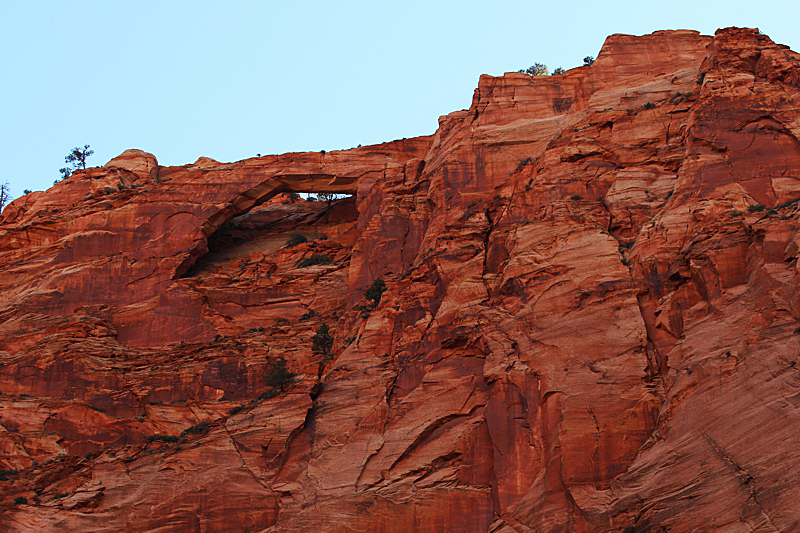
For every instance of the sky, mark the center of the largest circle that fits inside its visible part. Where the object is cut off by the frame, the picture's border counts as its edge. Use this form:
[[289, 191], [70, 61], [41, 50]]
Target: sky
[[229, 80]]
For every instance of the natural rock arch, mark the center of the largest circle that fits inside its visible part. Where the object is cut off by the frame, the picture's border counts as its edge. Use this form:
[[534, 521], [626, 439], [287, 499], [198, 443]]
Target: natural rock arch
[[261, 193]]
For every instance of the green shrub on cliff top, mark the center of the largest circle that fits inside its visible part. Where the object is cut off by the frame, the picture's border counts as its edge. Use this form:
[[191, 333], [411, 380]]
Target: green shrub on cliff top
[[537, 69]]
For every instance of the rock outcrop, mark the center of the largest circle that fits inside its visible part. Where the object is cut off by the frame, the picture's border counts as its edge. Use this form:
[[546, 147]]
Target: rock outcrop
[[589, 324]]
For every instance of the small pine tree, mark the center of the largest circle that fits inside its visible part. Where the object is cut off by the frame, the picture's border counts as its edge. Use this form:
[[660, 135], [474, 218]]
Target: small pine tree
[[76, 159], [5, 194], [322, 342], [588, 60], [279, 377]]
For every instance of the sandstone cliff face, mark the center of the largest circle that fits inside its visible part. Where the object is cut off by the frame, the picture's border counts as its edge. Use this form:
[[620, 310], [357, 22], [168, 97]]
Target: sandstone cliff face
[[590, 320]]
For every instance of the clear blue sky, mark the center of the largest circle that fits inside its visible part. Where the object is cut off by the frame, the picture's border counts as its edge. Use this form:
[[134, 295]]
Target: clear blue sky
[[232, 79]]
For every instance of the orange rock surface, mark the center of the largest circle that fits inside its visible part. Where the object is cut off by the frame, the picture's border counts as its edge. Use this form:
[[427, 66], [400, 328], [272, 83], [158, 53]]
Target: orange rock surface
[[590, 321]]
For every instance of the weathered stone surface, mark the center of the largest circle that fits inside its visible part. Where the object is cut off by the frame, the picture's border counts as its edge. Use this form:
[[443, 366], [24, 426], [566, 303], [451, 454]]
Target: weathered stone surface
[[589, 324]]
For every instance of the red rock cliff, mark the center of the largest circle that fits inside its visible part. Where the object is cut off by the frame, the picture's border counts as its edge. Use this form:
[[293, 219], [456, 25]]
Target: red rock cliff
[[590, 321]]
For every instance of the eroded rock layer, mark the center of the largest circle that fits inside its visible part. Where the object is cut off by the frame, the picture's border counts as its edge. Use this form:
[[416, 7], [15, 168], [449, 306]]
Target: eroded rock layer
[[589, 324]]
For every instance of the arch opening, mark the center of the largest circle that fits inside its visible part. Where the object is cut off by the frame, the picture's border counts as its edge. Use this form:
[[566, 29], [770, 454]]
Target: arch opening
[[317, 206]]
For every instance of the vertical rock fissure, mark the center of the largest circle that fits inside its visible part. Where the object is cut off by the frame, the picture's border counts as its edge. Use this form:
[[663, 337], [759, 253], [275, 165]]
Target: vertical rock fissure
[[487, 235]]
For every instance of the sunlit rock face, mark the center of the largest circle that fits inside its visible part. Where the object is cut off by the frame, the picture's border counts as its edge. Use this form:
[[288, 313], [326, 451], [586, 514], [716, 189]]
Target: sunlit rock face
[[590, 319]]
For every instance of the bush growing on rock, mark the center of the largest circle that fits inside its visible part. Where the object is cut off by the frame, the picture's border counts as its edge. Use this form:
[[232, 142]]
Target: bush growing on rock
[[322, 342], [315, 259], [266, 395], [523, 163], [375, 291], [162, 438], [295, 239], [537, 69], [279, 377], [197, 429]]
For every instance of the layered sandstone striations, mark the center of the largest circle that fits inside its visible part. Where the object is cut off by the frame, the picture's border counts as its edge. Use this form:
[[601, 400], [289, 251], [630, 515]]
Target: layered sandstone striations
[[590, 322]]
